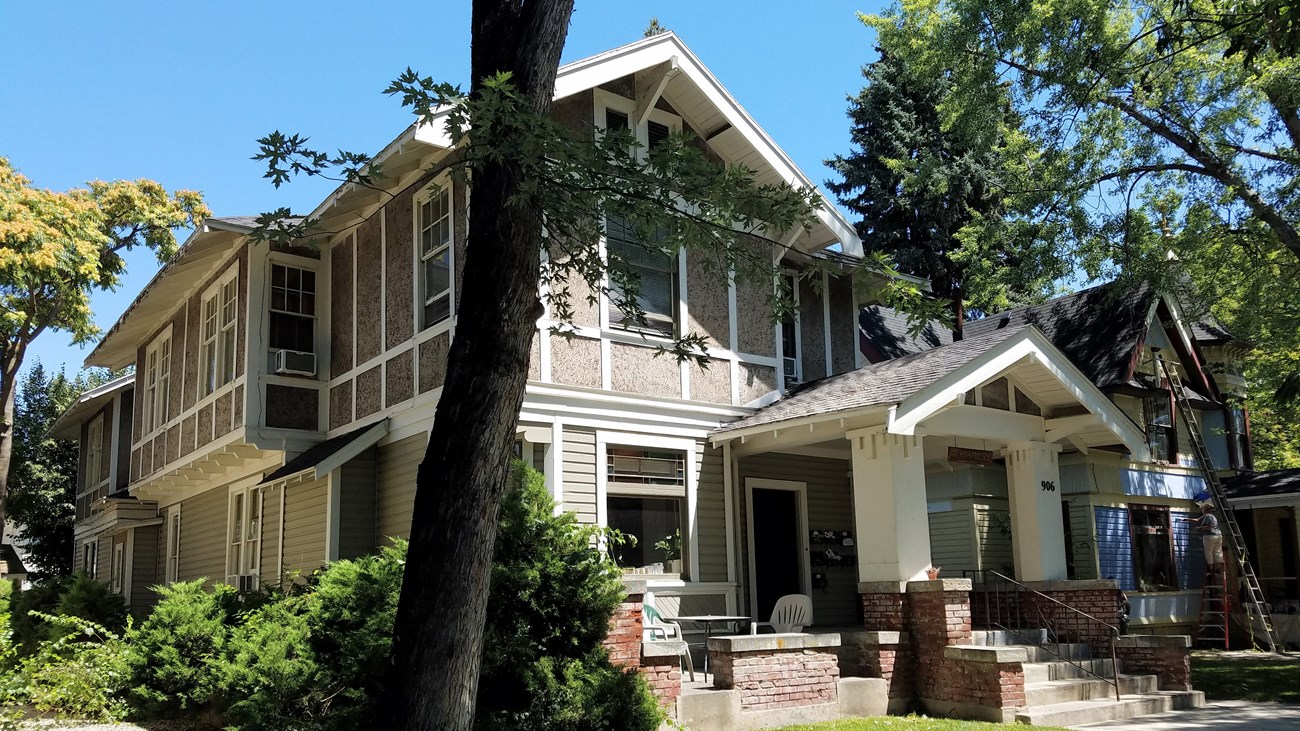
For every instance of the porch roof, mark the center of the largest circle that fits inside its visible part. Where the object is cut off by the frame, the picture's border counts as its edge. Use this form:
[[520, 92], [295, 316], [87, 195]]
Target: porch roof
[[926, 393], [888, 382]]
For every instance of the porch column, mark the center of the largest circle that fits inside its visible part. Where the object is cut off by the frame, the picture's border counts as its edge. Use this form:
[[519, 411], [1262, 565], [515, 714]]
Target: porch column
[[1037, 531], [889, 507]]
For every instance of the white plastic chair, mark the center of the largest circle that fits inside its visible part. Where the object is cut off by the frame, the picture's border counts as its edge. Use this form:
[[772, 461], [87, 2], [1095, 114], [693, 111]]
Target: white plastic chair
[[792, 613], [653, 627]]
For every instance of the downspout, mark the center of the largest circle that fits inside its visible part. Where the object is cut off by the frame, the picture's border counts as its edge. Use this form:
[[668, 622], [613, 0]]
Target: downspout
[[279, 560]]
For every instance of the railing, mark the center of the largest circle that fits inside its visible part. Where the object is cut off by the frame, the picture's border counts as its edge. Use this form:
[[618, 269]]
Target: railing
[[1035, 618]]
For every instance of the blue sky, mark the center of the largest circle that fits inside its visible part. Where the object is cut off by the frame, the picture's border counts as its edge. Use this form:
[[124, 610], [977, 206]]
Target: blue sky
[[179, 92]]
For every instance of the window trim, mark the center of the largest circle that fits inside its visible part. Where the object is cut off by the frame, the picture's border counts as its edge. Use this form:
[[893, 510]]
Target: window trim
[[245, 497], [604, 101], [438, 187], [690, 448], [792, 278], [117, 569], [1169, 535], [272, 263], [90, 557], [210, 383], [1172, 430], [173, 546], [152, 420], [95, 449]]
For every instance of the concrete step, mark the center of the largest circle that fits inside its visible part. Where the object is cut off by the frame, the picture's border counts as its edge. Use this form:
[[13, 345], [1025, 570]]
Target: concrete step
[[1052, 692], [1077, 713], [1054, 652], [1004, 637], [1040, 672]]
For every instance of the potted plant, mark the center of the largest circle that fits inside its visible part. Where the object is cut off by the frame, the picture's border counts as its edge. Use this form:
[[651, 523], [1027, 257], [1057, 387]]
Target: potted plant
[[671, 547]]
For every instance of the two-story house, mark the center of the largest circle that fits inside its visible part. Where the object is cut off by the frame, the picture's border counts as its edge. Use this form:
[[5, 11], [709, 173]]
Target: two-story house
[[282, 400]]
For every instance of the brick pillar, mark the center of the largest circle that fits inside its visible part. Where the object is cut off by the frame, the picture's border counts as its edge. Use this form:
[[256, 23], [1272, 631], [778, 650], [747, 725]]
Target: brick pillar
[[938, 614], [887, 651], [624, 639], [1168, 657]]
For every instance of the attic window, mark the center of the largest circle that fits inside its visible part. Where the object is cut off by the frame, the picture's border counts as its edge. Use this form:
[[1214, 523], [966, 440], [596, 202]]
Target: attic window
[[657, 135]]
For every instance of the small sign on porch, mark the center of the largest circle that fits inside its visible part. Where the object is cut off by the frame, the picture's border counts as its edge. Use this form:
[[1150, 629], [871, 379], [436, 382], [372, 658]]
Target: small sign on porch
[[970, 456]]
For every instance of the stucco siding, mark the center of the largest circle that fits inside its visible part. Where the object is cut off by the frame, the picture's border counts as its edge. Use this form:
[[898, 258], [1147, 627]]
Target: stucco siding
[[397, 466], [304, 526]]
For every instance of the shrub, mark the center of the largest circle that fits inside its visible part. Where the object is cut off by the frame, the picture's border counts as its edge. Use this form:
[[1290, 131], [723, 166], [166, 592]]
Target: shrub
[[552, 597], [176, 659], [81, 673], [318, 661], [77, 596]]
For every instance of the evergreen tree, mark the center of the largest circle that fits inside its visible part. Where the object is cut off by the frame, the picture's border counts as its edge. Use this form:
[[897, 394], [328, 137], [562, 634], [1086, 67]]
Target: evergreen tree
[[938, 198], [43, 474]]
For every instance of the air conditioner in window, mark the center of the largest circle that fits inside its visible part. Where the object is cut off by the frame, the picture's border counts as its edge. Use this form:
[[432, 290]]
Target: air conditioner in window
[[295, 363], [246, 582]]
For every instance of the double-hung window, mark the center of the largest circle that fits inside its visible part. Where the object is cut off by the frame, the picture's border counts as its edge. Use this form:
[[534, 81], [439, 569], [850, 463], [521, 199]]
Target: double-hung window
[[646, 501], [117, 572], [94, 451], [244, 545], [157, 383], [434, 232], [173, 544], [1240, 436], [1161, 435], [219, 314], [642, 275], [90, 558], [293, 308], [790, 349]]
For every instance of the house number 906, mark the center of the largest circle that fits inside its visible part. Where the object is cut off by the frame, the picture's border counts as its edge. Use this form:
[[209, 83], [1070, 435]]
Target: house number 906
[[1048, 486]]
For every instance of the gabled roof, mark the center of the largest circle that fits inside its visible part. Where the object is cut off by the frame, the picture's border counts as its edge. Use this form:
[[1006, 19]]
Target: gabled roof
[[68, 425], [885, 333], [665, 64], [1097, 328]]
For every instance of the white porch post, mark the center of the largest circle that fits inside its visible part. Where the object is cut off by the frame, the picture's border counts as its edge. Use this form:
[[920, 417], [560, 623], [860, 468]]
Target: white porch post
[[889, 506], [1033, 482]]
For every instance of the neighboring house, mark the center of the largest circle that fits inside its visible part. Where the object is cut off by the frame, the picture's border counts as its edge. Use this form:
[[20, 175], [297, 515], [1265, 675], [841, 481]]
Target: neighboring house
[[282, 400], [1266, 505]]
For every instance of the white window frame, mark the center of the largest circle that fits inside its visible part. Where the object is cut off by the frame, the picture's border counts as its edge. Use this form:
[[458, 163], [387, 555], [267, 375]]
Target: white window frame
[[117, 569], [156, 399], [792, 279], [604, 101], [90, 557], [94, 452], [690, 536], [423, 298], [173, 548], [244, 552], [219, 345], [315, 293]]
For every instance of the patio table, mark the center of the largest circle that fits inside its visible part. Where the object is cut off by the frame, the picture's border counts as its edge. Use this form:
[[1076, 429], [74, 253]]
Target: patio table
[[708, 620]]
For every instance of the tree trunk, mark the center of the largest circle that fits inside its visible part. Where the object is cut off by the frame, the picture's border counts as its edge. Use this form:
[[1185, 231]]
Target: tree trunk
[[11, 359], [438, 636]]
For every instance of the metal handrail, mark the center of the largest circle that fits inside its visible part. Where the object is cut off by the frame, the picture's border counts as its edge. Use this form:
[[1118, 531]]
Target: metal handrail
[[1113, 631]]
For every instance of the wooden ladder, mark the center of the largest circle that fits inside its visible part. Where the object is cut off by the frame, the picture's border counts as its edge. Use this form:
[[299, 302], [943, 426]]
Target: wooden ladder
[[1257, 613]]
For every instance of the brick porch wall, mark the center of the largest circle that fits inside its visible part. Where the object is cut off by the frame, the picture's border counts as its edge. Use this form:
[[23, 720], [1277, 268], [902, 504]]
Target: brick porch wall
[[1166, 657], [624, 639], [777, 671], [891, 657], [939, 616], [664, 674]]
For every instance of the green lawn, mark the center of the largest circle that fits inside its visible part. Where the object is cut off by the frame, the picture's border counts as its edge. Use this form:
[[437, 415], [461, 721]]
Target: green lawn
[[905, 723], [1254, 677]]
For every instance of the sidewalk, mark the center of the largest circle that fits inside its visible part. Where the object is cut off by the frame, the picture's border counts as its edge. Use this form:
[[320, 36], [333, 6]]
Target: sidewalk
[[1216, 715]]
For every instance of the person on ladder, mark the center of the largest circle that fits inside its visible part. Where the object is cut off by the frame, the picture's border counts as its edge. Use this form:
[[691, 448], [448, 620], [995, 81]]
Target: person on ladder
[[1211, 536]]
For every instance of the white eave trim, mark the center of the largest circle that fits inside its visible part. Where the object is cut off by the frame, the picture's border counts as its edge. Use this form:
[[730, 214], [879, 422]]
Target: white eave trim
[[602, 68], [1029, 344]]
